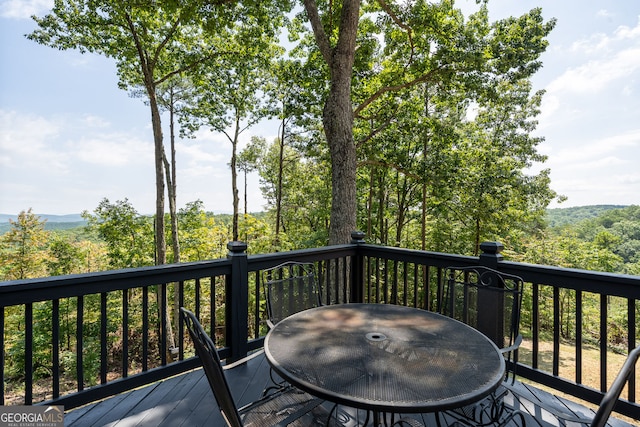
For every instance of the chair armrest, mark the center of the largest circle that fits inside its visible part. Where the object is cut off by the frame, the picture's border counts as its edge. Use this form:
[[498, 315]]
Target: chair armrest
[[514, 346]]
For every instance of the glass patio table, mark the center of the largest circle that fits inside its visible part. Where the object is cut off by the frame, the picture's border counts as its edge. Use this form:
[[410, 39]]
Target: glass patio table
[[384, 358]]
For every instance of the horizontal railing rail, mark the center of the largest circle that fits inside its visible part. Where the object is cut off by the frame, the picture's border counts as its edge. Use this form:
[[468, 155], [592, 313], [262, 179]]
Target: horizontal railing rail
[[85, 337]]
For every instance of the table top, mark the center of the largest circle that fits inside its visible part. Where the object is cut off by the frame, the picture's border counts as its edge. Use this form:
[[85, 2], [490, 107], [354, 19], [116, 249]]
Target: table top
[[384, 357]]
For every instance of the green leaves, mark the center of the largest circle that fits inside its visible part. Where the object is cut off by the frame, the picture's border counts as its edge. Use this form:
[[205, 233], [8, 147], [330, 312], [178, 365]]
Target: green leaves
[[21, 248]]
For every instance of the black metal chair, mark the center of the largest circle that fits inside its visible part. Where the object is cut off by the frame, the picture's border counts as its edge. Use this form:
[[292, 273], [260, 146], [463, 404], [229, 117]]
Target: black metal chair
[[489, 301], [608, 402], [287, 406], [289, 288]]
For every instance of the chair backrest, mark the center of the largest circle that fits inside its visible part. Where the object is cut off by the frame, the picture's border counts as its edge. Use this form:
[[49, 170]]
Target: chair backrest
[[485, 299], [289, 288], [611, 396], [206, 351]]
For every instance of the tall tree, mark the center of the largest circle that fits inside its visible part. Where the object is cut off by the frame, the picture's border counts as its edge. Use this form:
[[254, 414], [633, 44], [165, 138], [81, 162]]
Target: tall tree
[[337, 117], [424, 42], [232, 89], [22, 248], [248, 162], [128, 236]]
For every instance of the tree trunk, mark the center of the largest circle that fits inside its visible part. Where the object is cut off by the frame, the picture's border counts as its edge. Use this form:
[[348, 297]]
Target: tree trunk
[[246, 212], [172, 185], [161, 243], [170, 170], [234, 177], [279, 185], [337, 117]]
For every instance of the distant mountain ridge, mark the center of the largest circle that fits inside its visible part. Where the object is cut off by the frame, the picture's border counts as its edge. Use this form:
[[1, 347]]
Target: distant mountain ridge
[[559, 217], [48, 217], [53, 222], [556, 217]]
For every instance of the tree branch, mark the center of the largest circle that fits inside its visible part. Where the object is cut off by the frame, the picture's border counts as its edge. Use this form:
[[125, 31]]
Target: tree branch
[[383, 90], [322, 40], [399, 23], [394, 166]]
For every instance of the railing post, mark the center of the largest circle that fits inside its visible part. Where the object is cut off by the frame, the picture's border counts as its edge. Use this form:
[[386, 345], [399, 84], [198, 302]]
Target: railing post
[[490, 256], [237, 301], [357, 268], [491, 314]]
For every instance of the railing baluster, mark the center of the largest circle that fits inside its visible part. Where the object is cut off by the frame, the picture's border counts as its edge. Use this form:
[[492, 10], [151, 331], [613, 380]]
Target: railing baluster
[[162, 313], [377, 281], [369, 291], [28, 354], [578, 322], [80, 342], [125, 333], [556, 331], [256, 308], [631, 327], [145, 329], [535, 324], [179, 325], [55, 347], [336, 278], [2, 350], [198, 296], [103, 338], [213, 305], [394, 283], [416, 283], [345, 280], [603, 341]]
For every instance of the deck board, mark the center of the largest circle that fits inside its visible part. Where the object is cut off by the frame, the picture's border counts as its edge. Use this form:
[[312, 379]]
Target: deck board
[[186, 400]]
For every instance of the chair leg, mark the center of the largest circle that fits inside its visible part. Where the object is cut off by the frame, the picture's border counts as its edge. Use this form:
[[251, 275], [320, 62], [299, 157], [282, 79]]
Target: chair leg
[[511, 417], [278, 384]]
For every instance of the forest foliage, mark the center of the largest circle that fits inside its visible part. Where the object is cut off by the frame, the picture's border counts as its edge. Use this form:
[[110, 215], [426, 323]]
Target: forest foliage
[[599, 237]]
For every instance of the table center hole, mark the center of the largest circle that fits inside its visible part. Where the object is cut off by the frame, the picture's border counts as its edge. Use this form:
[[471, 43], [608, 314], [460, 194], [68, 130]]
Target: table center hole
[[376, 336]]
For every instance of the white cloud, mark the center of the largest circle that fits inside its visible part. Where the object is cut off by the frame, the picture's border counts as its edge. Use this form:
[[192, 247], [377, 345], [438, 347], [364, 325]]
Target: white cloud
[[605, 59], [623, 32], [95, 122], [24, 9], [24, 141], [596, 75], [195, 153], [598, 171], [600, 153], [603, 13], [68, 163], [112, 149], [599, 42]]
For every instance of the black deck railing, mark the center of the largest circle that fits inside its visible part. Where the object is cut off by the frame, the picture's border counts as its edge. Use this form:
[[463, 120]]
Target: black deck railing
[[126, 317]]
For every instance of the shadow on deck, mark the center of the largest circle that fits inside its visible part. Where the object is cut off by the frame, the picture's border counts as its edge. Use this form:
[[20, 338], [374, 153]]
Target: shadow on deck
[[186, 400]]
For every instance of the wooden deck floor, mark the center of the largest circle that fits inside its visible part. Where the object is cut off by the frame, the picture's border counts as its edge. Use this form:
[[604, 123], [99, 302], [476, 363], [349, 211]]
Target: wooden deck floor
[[186, 400]]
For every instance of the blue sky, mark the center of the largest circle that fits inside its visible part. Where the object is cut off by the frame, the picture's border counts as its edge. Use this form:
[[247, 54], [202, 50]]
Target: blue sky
[[69, 137]]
